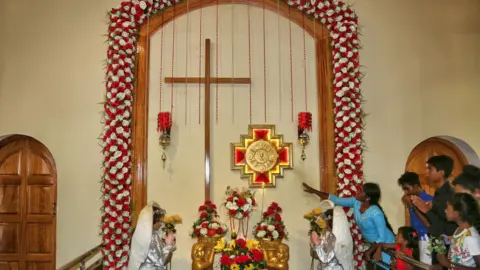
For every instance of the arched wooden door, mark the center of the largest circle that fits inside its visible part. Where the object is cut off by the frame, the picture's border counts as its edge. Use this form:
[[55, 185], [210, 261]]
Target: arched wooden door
[[28, 194], [434, 146]]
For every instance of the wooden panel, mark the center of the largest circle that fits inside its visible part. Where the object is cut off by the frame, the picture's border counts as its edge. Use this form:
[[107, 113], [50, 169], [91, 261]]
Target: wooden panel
[[27, 201], [8, 266], [140, 104], [417, 160], [9, 199], [9, 235], [39, 237]]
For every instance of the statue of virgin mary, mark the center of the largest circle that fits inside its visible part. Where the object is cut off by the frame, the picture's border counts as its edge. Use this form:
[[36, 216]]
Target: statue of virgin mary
[[335, 248], [148, 251]]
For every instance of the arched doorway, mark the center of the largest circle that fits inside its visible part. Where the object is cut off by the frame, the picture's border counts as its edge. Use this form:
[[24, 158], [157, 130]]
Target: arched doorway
[[459, 150], [28, 194]]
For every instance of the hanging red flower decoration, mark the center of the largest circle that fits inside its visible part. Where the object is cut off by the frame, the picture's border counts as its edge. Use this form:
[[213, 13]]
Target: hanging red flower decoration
[[164, 120], [305, 121]]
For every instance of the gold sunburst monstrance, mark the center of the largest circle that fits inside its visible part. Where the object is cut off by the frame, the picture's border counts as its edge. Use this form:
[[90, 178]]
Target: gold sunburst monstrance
[[261, 156]]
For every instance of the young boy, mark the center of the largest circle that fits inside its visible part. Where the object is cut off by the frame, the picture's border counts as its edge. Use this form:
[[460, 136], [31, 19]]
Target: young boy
[[439, 169], [468, 182], [410, 184]]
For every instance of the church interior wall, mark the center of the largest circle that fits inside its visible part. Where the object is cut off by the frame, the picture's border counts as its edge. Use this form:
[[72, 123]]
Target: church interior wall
[[421, 67]]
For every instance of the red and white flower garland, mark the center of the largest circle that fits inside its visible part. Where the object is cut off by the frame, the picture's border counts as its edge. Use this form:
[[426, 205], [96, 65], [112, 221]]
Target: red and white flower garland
[[116, 138]]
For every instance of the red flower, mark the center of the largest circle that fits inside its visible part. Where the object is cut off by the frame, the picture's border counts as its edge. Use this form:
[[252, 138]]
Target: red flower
[[245, 214], [212, 232], [220, 231], [241, 202], [225, 260], [241, 243], [207, 202], [232, 212], [230, 199], [257, 255], [278, 217], [242, 259], [196, 231], [274, 204], [254, 202], [205, 225], [201, 208], [203, 215]]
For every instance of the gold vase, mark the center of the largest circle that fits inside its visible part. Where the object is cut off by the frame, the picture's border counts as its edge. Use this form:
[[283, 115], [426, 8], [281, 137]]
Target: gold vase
[[277, 254], [203, 253]]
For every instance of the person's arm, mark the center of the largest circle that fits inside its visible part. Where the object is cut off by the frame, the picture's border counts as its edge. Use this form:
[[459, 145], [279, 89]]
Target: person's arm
[[309, 189], [436, 215], [421, 217], [345, 202]]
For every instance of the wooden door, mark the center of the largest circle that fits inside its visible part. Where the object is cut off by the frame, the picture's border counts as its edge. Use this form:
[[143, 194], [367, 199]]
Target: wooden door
[[431, 147], [28, 193]]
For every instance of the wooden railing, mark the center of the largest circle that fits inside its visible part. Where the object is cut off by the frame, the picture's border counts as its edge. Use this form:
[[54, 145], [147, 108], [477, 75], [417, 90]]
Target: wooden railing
[[418, 265], [80, 261]]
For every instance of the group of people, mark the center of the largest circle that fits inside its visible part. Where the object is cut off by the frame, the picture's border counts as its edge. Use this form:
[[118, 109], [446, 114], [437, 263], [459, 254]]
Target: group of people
[[451, 215]]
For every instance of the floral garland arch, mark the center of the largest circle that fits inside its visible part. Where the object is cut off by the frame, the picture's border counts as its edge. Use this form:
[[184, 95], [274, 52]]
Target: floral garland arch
[[116, 139]]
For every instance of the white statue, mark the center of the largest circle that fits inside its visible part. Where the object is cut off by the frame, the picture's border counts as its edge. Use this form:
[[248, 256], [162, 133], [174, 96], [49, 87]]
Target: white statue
[[334, 248], [148, 250]]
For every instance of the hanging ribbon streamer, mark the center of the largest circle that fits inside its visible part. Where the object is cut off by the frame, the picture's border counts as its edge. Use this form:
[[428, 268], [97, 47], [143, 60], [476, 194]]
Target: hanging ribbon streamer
[[173, 58], [250, 59], [291, 59], [280, 61], [233, 61], [161, 65], [304, 61], [264, 65], [200, 69], [187, 41], [216, 64]]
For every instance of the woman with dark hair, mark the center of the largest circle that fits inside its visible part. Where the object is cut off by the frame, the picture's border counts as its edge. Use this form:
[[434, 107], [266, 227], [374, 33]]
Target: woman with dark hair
[[149, 251], [367, 212]]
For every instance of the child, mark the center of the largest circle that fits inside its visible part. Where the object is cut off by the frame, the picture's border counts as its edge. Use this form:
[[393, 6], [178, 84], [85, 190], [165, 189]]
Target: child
[[468, 181], [464, 250], [406, 244]]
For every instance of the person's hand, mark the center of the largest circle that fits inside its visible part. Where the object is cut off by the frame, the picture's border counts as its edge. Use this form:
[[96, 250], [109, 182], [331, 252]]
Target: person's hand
[[315, 238], [170, 239], [406, 200], [421, 204], [309, 189], [378, 255], [367, 256]]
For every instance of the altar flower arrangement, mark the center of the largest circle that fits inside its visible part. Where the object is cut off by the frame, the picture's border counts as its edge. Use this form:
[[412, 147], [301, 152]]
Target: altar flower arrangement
[[241, 254], [317, 221], [207, 224], [170, 222], [271, 225], [239, 204]]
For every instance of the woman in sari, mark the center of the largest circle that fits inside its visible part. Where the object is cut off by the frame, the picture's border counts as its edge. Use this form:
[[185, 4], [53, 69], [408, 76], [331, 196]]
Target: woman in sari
[[368, 214], [148, 251]]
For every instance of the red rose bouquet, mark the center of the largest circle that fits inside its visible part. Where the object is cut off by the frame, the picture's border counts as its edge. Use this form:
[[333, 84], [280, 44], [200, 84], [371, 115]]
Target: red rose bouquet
[[239, 204], [271, 226], [207, 224], [240, 254]]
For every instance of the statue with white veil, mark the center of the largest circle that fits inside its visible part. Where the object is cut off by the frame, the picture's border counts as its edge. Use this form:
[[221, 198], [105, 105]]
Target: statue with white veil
[[334, 247], [148, 250]]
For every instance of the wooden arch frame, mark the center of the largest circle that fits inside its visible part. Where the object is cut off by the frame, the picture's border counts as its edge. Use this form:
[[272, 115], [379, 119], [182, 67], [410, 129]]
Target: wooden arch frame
[[325, 119]]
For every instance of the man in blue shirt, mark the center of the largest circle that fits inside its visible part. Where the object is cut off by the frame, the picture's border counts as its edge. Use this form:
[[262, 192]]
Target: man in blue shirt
[[410, 184]]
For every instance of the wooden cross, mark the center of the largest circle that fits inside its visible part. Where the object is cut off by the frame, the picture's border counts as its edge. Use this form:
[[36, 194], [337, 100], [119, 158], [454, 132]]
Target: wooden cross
[[207, 80]]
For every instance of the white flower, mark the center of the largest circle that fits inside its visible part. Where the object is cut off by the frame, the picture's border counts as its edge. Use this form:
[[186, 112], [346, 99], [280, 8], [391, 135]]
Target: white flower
[[275, 234], [249, 201], [203, 231], [214, 225], [261, 234], [271, 228], [239, 215], [247, 208], [228, 205]]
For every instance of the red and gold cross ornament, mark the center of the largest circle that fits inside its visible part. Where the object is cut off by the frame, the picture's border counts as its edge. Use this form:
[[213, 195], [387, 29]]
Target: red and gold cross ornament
[[261, 156]]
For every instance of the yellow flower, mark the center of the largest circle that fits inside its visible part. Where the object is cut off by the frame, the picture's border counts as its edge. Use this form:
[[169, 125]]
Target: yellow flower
[[321, 223], [232, 244], [177, 219], [317, 211], [167, 219], [308, 216], [220, 245], [252, 243], [234, 267], [249, 267]]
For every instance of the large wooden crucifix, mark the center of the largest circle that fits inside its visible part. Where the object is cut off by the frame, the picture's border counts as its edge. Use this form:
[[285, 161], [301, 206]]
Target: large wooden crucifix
[[207, 80]]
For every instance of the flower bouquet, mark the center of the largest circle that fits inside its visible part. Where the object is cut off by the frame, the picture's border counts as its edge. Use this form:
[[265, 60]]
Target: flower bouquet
[[437, 245], [239, 204], [207, 224], [271, 226], [317, 221], [170, 222], [240, 254]]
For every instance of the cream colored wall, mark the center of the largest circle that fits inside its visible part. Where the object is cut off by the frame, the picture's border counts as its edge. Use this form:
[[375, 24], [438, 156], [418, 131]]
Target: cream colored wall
[[420, 58], [180, 186]]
